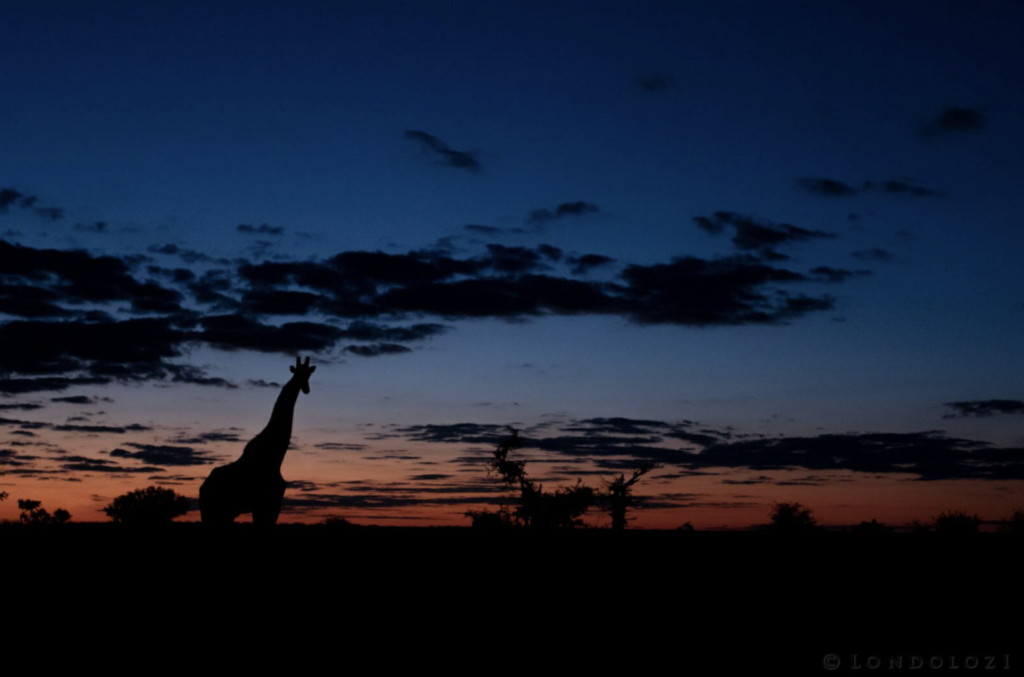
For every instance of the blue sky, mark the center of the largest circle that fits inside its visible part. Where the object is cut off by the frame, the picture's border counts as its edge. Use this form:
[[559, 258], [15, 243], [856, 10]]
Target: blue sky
[[871, 151]]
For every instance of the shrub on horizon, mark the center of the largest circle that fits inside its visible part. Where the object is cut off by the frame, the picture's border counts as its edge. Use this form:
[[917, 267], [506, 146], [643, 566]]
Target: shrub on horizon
[[149, 506], [791, 518], [33, 512], [957, 522]]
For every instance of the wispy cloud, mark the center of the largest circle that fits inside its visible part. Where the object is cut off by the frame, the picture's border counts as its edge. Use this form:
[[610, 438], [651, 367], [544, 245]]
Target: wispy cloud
[[984, 408], [565, 209], [445, 155], [954, 119]]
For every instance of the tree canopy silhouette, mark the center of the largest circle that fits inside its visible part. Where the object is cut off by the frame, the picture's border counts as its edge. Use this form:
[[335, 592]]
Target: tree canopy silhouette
[[33, 512], [564, 508], [149, 506], [1014, 525], [618, 495], [957, 522], [791, 518]]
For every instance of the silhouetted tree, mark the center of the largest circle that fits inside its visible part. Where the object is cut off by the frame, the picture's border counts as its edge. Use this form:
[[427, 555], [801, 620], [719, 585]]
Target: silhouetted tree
[[791, 518], [537, 509], [3, 495], [957, 522], [339, 523], [1014, 525], [872, 527], [919, 527], [618, 495], [32, 512], [149, 506]]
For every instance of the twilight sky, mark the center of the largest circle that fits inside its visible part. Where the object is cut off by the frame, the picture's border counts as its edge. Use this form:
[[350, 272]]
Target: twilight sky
[[774, 247]]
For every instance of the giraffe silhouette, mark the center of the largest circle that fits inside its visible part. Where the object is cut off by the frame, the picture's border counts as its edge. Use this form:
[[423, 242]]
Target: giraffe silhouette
[[253, 483]]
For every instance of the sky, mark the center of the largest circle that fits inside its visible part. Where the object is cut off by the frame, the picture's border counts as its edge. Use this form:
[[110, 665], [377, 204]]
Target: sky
[[772, 247]]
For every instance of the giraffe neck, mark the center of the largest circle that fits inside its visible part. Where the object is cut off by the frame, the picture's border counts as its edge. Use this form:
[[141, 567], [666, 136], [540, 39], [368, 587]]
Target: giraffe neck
[[270, 446]]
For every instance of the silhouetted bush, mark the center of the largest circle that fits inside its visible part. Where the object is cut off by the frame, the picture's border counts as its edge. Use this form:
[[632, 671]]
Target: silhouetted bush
[[149, 506], [791, 518], [1014, 525], [339, 523], [32, 512], [957, 522], [537, 509], [872, 527], [542, 511]]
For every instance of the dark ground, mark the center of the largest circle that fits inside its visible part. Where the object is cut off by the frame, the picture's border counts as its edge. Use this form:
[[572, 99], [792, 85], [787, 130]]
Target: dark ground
[[591, 600]]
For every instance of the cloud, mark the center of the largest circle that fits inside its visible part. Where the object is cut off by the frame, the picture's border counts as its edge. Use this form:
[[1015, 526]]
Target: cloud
[[78, 277], [505, 282], [184, 373], [512, 259], [214, 436], [721, 292], [484, 230], [108, 429], [953, 119], [827, 187], [277, 302], [110, 349], [10, 197], [446, 156], [187, 255], [873, 254], [262, 229], [84, 464], [81, 399], [164, 455], [984, 408], [366, 331], [566, 209], [549, 252], [614, 442], [654, 81], [617, 425], [907, 188], [260, 383], [94, 227], [237, 332], [757, 236], [51, 213], [27, 301], [927, 455], [377, 349], [836, 275], [75, 318], [340, 446], [17, 386], [836, 188], [584, 264], [621, 443], [474, 433]]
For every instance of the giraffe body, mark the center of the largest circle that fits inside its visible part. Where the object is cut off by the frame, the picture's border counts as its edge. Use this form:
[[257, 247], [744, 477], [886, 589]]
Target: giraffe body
[[253, 483]]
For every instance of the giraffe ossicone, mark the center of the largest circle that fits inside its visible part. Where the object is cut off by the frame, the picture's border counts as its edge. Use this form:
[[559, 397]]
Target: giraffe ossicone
[[253, 483]]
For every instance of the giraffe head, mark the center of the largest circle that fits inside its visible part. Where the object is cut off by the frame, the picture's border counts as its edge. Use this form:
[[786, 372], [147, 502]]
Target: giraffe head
[[302, 372]]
